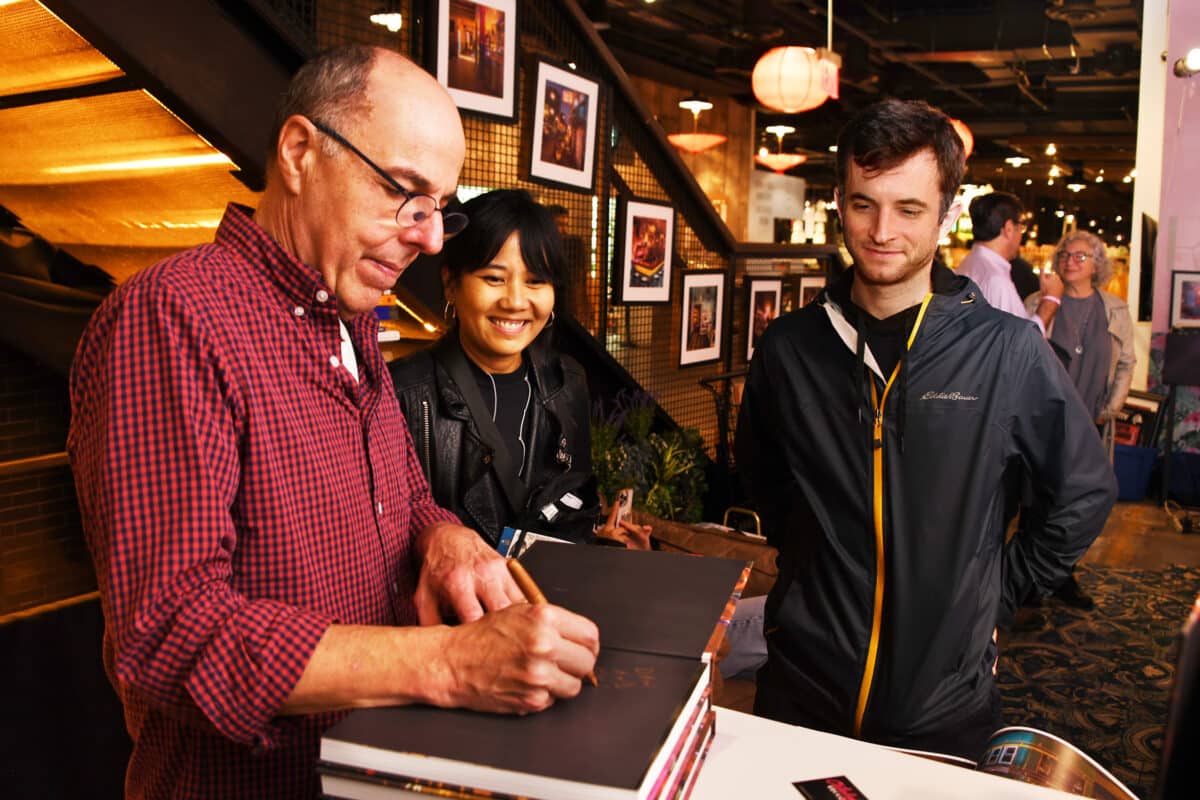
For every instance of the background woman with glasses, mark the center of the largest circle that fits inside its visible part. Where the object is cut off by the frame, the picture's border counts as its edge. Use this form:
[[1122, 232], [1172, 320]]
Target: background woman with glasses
[[1092, 335], [500, 419], [1093, 331]]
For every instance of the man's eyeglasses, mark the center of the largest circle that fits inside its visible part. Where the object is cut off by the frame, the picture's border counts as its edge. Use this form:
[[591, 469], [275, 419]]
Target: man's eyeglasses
[[1078, 258], [416, 207]]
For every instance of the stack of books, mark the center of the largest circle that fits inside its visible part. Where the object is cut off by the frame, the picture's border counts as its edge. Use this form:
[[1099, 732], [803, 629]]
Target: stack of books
[[642, 733]]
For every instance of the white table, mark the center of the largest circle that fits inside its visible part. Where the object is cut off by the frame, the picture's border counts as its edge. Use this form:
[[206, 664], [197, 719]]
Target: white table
[[757, 758]]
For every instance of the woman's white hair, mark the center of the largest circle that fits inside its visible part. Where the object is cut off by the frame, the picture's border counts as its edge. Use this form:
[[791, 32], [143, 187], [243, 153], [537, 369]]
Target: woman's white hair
[[1099, 253]]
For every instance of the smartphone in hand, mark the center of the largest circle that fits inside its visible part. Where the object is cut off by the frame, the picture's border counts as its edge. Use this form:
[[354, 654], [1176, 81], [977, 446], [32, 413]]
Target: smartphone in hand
[[624, 503]]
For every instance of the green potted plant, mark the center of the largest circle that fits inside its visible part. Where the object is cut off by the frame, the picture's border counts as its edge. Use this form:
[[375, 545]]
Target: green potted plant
[[665, 469]]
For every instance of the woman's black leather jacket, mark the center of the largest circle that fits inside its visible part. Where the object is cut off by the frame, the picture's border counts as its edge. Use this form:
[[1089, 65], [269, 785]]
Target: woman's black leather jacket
[[562, 499]]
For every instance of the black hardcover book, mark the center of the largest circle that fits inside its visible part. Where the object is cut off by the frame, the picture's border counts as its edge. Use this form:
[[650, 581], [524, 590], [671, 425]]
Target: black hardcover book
[[604, 743], [656, 613], [641, 600]]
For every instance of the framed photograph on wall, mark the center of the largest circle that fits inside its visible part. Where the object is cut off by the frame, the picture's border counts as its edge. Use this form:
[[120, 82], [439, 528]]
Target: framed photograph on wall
[[700, 331], [1185, 299], [476, 54], [765, 301], [810, 287], [566, 107], [645, 245]]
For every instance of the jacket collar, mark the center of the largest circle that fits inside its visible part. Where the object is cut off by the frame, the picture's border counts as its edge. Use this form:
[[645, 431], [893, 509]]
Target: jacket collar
[[950, 290], [547, 378]]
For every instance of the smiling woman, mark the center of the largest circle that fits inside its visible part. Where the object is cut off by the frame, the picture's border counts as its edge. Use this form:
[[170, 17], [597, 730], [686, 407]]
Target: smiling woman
[[499, 418]]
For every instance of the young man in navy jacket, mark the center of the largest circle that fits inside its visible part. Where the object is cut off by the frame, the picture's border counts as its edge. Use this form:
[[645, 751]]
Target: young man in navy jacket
[[875, 432]]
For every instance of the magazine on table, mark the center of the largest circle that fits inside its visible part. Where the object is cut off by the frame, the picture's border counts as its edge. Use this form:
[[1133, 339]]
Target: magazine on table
[[1040, 758]]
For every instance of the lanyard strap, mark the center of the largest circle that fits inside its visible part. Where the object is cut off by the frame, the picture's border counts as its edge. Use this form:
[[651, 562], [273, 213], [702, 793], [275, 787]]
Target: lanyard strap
[[450, 355]]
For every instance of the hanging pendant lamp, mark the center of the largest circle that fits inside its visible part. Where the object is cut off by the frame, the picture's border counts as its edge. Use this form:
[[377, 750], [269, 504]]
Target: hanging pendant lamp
[[696, 141], [795, 79], [780, 161]]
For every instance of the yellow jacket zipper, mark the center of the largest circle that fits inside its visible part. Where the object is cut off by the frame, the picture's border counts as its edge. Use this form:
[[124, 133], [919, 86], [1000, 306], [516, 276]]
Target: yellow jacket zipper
[[879, 403]]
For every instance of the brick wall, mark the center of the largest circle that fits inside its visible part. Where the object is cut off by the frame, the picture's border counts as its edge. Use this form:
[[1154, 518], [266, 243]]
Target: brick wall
[[42, 553]]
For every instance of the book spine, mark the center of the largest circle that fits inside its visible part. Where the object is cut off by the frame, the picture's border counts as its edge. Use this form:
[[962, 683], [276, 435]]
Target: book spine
[[718, 634], [699, 757], [687, 740]]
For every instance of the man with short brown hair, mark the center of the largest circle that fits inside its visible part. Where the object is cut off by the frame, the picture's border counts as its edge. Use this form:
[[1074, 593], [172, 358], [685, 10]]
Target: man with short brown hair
[[876, 427]]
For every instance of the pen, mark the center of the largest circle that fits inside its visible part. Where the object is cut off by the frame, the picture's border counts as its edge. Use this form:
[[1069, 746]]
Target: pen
[[534, 595]]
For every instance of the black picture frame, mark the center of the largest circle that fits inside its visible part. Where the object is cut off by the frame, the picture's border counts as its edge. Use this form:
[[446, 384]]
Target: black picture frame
[[1140, 419], [475, 55], [1185, 299], [808, 288], [701, 327], [564, 129], [765, 296], [644, 254]]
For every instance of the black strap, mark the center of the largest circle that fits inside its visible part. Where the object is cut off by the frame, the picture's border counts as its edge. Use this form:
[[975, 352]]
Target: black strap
[[452, 358]]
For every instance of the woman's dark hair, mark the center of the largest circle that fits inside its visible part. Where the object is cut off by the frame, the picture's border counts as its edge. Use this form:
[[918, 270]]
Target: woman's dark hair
[[887, 133], [494, 217]]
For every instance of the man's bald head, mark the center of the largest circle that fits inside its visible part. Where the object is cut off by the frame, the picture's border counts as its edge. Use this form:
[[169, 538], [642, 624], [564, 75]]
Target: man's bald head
[[334, 87]]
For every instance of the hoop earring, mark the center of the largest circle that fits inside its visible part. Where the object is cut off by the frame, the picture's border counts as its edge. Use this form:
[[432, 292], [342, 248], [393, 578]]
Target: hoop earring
[[551, 322], [449, 312]]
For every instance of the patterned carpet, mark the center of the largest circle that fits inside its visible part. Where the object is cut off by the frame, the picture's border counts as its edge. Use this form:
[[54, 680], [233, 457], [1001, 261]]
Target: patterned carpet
[[1101, 679]]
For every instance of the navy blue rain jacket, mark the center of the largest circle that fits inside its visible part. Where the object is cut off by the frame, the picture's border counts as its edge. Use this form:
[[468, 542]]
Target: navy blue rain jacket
[[885, 498]]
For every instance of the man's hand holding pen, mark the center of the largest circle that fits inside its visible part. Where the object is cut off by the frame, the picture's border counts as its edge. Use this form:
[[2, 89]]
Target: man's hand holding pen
[[507, 656], [522, 658]]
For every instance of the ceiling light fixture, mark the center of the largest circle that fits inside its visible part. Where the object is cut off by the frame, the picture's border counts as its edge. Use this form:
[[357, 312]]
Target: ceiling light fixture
[[696, 141], [1017, 161], [1189, 65], [388, 16], [1051, 149], [1055, 172], [795, 79], [780, 161]]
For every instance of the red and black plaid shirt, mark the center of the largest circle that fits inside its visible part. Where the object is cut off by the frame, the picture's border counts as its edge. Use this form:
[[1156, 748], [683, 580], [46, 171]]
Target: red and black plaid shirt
[[240, 492]]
